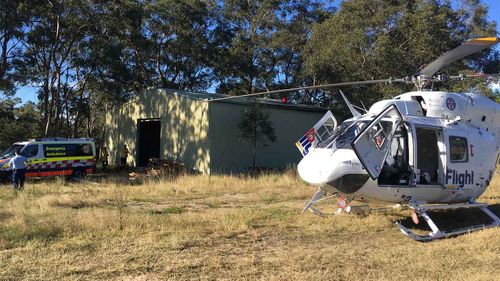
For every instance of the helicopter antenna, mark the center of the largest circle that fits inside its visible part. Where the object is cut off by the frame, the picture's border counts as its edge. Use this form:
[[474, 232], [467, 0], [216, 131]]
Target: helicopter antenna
[[360, 108], [354, 112], [364, 107]]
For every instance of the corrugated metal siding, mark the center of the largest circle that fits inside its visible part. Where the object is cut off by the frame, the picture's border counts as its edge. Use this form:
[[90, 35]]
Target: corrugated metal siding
[[229, 152], [184, 129], [205, 136]]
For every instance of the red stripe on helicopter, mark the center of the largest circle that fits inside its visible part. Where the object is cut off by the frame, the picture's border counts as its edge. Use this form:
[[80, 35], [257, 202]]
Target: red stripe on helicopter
[[310, 135]]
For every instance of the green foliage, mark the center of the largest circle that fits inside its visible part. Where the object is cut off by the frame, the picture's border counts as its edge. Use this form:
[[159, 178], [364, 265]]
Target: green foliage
[[12, 18], [86, 56], [256, 127], [378, 39], [17, 122], [261, 43]]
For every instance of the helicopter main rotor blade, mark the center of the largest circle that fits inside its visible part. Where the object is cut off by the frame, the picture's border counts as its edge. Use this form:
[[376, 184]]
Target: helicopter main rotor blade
[[367, 82], [481, 75], [467, 48]]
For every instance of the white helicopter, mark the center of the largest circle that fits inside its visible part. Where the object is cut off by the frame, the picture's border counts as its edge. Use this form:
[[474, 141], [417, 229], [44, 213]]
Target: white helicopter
[[427, 150]]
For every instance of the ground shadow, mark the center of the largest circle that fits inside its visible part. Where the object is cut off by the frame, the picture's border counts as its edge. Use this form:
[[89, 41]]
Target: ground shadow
[[453, 219]]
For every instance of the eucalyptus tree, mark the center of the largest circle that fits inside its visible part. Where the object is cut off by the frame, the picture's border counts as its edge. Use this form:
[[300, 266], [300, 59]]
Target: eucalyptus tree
[[13, 15], [54, 30], [261, 43], [374, 39], [180, 37], [244, 31]]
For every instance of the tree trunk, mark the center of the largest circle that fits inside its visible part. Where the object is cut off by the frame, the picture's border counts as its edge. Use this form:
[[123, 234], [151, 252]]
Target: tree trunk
[[77, 117], [254, 143], [3, 68]]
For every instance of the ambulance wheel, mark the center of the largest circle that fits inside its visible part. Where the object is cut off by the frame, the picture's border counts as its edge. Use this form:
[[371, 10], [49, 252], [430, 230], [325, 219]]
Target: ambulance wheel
[[78, 174], [5, 178]]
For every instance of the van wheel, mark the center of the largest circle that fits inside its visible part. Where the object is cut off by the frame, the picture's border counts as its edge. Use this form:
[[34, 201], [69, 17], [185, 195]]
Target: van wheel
[[78, 174], [5, 178]]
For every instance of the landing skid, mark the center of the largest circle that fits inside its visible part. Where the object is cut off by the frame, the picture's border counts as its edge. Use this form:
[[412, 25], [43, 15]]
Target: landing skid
[[422, 208], [317, 197], [342, 204]]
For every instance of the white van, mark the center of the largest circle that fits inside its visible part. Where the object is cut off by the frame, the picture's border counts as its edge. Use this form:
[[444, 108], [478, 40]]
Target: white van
[[52, 157]]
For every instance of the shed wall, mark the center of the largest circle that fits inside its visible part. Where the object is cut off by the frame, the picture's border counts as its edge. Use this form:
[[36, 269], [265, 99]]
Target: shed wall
[[184, 128], [229, 152]]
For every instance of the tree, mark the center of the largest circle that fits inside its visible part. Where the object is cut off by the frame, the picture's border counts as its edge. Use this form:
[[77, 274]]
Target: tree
[[17, 122], [378, 39], [12, 18], [179, 34], [261, 43], [244, 30], [53, 33], [256, 128]]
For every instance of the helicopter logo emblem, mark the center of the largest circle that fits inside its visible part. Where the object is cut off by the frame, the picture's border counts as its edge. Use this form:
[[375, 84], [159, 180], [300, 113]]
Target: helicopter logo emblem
[[450, 103]]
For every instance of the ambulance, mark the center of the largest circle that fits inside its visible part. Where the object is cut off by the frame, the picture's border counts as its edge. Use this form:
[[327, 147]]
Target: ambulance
[[52, 157]]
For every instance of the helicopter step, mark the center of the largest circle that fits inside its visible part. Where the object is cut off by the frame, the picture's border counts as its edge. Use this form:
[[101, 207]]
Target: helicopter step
[[421, 209]]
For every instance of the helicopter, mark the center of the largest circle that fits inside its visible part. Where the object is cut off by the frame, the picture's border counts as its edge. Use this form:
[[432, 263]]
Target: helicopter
[[426, 150]]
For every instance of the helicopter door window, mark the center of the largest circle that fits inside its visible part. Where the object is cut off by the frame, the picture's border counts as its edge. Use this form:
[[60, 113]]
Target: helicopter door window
[[428, 155], [373, 143], [396, 170], [458, 149]]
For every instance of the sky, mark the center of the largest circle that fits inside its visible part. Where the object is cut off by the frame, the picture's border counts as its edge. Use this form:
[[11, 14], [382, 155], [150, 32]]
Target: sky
[[28, 93]]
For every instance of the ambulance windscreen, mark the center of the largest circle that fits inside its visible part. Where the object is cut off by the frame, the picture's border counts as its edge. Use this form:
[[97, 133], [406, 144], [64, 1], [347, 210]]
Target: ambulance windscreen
[[10, 151]]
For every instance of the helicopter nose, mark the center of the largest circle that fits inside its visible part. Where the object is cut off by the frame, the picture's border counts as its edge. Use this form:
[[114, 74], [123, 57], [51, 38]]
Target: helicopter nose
[[338, 169], [318, 166]]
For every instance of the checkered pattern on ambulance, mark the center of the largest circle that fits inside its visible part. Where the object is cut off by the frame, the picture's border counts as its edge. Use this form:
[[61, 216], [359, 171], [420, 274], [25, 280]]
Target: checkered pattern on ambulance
[[47, 165], [60, 164]]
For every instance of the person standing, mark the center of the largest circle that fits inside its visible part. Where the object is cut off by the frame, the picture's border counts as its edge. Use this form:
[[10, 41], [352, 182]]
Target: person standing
[[104, 157], [123, 156], [18, 166]]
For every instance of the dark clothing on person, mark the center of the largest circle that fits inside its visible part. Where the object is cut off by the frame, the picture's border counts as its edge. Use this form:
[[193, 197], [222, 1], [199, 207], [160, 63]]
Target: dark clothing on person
[[18, 176], [104, 157], [123, 156]]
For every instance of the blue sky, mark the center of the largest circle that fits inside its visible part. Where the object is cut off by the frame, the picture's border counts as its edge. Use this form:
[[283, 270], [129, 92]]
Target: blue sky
[[29, 93]]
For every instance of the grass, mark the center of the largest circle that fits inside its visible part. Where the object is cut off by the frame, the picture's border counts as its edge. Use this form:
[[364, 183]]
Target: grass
[[219, 227]]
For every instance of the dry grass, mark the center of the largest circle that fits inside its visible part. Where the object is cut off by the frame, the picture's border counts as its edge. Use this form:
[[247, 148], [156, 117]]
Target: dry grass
[[219, 227]]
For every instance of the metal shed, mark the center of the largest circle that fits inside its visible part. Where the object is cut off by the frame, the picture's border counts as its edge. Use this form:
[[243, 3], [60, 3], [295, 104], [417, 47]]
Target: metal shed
[[182, 125]]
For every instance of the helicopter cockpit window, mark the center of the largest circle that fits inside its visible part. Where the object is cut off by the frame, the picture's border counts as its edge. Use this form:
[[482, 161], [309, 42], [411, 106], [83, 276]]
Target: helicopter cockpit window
[[326, 129], [344, 135], [327, 143], [458, 149]]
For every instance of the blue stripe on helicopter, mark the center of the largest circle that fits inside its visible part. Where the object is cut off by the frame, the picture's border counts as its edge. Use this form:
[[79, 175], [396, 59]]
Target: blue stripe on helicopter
[[303, 145]]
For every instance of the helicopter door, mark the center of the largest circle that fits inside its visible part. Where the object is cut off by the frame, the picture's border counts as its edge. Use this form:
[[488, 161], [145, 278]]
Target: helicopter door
[[374, 142], [319, 132]]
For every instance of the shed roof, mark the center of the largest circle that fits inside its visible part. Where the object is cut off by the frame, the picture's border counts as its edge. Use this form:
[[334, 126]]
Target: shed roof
[[272, 103]]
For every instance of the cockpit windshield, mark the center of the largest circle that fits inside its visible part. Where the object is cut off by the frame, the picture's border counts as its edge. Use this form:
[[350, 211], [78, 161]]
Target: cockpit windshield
[[10, 151], [344, 135]]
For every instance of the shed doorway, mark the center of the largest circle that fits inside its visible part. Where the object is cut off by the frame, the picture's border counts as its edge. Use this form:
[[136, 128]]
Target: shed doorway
[[148, 140]]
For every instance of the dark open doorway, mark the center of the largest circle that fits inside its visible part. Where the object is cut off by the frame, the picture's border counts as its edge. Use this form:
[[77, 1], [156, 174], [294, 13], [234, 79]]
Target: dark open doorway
[[148, 140]]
